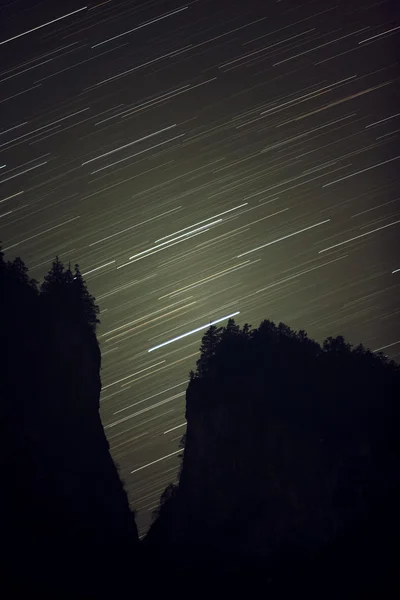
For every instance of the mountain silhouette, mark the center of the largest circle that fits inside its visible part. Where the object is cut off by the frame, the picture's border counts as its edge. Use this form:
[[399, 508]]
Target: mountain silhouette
[[289, 481], [67, 530], [290, 468]]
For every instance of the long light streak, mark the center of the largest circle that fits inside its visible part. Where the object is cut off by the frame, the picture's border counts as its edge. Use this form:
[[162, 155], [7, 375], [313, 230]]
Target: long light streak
[[180, 337]]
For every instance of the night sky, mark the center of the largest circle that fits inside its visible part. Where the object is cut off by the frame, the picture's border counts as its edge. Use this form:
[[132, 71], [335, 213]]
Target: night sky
[[199, 160]]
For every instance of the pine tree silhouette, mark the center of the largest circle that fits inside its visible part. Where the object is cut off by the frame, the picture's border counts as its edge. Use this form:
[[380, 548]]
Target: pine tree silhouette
[[246, 330], [54, 280], [66, 291], [336, 345], [85, 302], [16, 272], [20, 272], [16, 287], [209, 343], [231, 329], [229, 353]]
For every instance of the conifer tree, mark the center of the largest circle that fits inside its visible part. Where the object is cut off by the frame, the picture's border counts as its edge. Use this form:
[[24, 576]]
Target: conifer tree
[[302, 336], [15, 272], [67, 291], [246, 330], [54, 280], [85, 301], [209, 343], [336, 345], [229, 351], [68, 275], [20, 272], [267, 329], [231, 329], [284, 331]]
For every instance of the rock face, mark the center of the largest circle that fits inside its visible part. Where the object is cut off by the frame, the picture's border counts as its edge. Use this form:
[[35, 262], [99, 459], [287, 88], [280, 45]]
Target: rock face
[[290, 469], [67, 529], [290, 476]]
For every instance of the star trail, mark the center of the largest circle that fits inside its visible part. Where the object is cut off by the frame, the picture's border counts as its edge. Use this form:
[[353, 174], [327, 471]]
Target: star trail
[[201, 160]]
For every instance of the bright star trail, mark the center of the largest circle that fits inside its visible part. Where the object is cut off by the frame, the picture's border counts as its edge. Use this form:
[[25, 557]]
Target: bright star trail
[[199, 160]]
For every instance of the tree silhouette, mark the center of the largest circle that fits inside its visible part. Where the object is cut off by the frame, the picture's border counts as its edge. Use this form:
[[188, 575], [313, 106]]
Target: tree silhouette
[[337, 346], [246, 330], [54, 280], [85, 302], [66, 291], [20, 272], [209, 343], [267, 330], [231, 348], [15, 272], [231, 329]]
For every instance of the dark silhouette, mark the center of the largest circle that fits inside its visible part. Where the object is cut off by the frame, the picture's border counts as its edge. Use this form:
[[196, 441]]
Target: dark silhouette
[[289, 482], [66, 527], [291, 466], [66, 292]]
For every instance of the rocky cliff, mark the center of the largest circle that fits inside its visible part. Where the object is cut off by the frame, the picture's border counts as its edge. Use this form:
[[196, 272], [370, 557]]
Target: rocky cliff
[[290, 468], [67, 530]]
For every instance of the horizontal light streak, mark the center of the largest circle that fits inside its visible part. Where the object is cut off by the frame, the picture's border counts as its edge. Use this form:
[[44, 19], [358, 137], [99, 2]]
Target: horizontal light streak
[[358, 237], [177, 427], [180, 337], [150, 397], [188, 233], [144, 410], [204, 221], [98, 268], [361, 171], [156, 461], [141, 26], [285, 237], [133, 375], [146, 137], [15, 37]]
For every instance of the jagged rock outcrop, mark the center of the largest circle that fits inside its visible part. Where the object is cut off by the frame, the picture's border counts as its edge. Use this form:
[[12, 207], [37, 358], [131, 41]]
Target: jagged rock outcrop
[[67, 530], [290, 466]]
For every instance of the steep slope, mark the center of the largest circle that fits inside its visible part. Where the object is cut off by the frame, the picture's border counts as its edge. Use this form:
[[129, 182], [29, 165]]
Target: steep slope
[[67, 530], [290, 464]]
